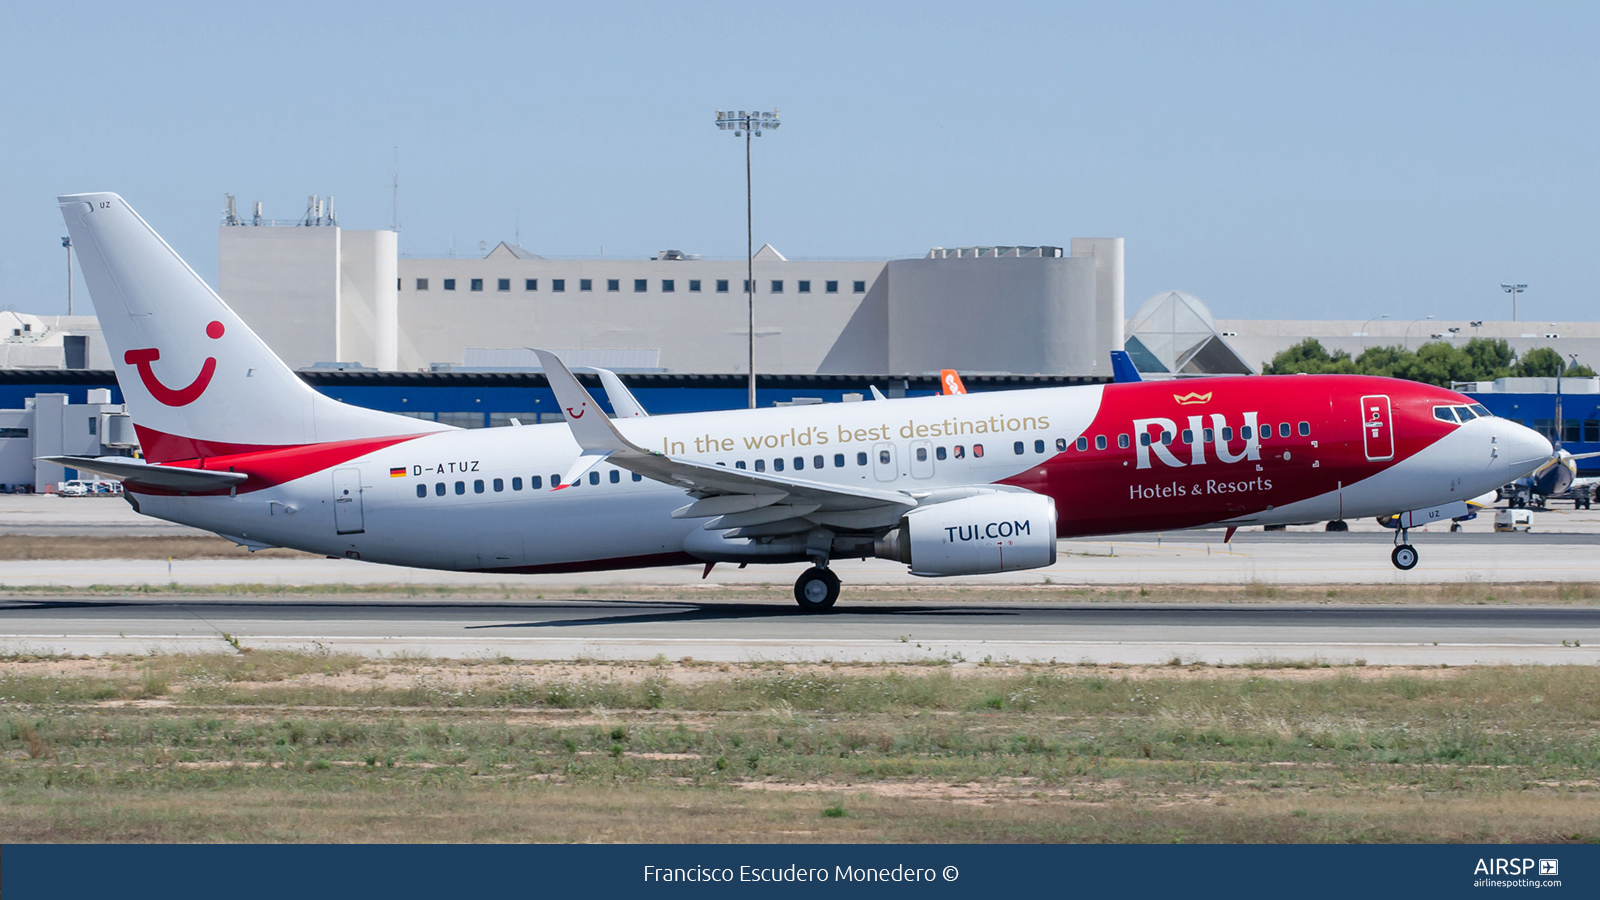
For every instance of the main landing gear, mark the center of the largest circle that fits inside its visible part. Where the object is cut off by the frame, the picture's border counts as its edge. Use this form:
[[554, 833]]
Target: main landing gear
[[816, 589], [1404, 556]]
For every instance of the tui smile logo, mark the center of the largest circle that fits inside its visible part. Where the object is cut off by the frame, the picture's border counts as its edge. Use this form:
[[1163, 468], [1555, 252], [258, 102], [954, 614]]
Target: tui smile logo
[[169, 396]]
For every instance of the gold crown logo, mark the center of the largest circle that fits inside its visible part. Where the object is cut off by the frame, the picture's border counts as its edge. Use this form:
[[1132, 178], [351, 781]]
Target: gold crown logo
[[1191, 398]]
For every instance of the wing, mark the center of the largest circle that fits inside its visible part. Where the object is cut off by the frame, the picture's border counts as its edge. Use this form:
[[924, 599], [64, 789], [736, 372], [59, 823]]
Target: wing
[[134, 472], [758, 503]]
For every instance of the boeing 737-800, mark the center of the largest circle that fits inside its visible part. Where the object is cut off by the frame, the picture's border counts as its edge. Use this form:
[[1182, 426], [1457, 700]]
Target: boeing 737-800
[[235, 443]]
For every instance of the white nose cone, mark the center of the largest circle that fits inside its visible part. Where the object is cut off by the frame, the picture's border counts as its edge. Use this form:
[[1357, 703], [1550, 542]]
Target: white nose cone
[[1521, 448]]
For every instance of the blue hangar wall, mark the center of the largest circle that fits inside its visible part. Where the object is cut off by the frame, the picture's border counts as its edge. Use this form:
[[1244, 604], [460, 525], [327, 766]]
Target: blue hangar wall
[[487, 399]]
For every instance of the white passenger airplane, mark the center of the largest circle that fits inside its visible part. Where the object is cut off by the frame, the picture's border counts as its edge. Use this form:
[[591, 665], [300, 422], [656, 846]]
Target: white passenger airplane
[[963, 484]]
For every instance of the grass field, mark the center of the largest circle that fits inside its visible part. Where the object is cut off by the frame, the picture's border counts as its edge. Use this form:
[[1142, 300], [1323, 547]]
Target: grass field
[[280, 747]]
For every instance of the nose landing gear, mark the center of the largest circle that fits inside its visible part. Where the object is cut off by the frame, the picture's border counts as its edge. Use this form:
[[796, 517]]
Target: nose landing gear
[[1404, 556], [816, 589]]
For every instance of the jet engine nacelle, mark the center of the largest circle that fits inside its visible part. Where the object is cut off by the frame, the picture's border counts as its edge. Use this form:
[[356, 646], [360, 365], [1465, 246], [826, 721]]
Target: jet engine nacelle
[[981, 535]]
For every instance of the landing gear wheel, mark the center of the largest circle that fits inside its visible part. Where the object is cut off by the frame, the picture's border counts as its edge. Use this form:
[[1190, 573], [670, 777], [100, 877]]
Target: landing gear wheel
[[1404, 557], [816, 589], [1455, 526], [1337, 525]]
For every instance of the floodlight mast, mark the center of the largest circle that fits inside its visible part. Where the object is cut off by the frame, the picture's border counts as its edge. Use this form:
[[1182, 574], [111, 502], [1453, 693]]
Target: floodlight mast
[[748, 124], [1513, 290]]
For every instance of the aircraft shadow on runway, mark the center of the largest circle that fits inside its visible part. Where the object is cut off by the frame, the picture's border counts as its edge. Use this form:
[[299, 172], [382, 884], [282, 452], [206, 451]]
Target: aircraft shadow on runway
[[722, 612]]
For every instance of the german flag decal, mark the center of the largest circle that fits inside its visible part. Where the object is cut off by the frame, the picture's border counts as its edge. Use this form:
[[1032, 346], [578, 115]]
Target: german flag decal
[[397, 472]]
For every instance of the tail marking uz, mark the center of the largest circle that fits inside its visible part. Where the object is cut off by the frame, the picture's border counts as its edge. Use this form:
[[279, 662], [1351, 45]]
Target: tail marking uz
[[141, 359]]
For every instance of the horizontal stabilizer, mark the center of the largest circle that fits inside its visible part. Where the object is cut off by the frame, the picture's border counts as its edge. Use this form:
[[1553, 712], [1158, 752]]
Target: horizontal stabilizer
[[134, 472]]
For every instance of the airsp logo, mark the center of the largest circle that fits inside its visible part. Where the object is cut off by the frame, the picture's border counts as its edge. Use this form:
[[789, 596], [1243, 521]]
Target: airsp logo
[[1549, 867]]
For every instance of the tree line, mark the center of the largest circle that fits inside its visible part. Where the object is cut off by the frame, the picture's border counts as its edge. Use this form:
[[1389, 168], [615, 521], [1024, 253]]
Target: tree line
[[1436, 362]]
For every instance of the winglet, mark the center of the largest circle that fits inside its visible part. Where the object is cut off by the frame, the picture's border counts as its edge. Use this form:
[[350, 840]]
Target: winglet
[[1123, 371], [950, 382], [623, 403], [590, 428]]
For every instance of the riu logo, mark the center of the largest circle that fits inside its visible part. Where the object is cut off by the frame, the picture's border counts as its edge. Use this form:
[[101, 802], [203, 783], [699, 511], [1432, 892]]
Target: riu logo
[[1155, 435], [174, 396]]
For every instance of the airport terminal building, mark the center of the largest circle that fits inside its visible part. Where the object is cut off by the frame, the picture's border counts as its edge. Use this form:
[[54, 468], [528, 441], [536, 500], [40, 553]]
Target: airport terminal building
[[447, 339]]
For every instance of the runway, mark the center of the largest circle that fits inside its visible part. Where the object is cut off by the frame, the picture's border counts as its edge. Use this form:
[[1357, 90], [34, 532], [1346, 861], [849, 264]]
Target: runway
[[879, 631]]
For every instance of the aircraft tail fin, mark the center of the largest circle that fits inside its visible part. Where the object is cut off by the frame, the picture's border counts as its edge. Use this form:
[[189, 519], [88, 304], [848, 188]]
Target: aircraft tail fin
[[950, 382], [197, 380], [1123, 371]]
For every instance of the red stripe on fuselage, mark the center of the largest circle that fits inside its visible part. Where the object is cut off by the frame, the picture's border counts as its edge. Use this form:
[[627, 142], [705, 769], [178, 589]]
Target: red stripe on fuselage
[[275, 465], [1105, 492]]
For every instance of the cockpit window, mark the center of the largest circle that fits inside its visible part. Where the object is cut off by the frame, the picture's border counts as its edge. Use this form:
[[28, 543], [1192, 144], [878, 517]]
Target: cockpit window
[[1465, 413], [1481, 410], [1444, 414]]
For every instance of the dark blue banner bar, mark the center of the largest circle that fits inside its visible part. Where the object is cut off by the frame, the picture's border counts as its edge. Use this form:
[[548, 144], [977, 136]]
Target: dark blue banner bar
[[433, 871]]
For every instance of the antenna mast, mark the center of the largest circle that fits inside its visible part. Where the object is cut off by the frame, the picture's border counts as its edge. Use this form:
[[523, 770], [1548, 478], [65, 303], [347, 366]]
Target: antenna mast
[[394, 224]]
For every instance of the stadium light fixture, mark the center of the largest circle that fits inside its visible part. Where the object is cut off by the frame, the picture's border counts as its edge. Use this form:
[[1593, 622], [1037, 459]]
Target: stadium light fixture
[[1513, 290], [747, 125]]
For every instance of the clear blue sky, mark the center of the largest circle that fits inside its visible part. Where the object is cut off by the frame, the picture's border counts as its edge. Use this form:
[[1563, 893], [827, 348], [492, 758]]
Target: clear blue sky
[[1279, 160]]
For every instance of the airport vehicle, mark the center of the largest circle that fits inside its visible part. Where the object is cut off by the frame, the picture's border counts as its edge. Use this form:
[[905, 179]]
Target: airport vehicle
[[1513, 520], [77, 487], [961, 484]]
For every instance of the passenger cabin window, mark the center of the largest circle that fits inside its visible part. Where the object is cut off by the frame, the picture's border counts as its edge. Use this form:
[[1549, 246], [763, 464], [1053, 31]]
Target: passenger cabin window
[[838, 460], [761, 465], [961, 452], [1166, 438], [555, 482], [861, 459], [1061, 445], [1283, 429], [884, 458], [922, 454], [739, 464], [1244, 432], [1017, 448], [637, 477], [817, 462], [1099, 442], [1188, 435], [1123, 441], [535, 482], [939, 453], [594, 477], [1227, 432], [977, 451], [477, 486], [1038, 446], [461, 487], [1082, 444], [499, 485], [1144, 439], [516, 483], [777, 465], [1208, 435], [616, 476], [799, 463], [422, 490], [438, 489]]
